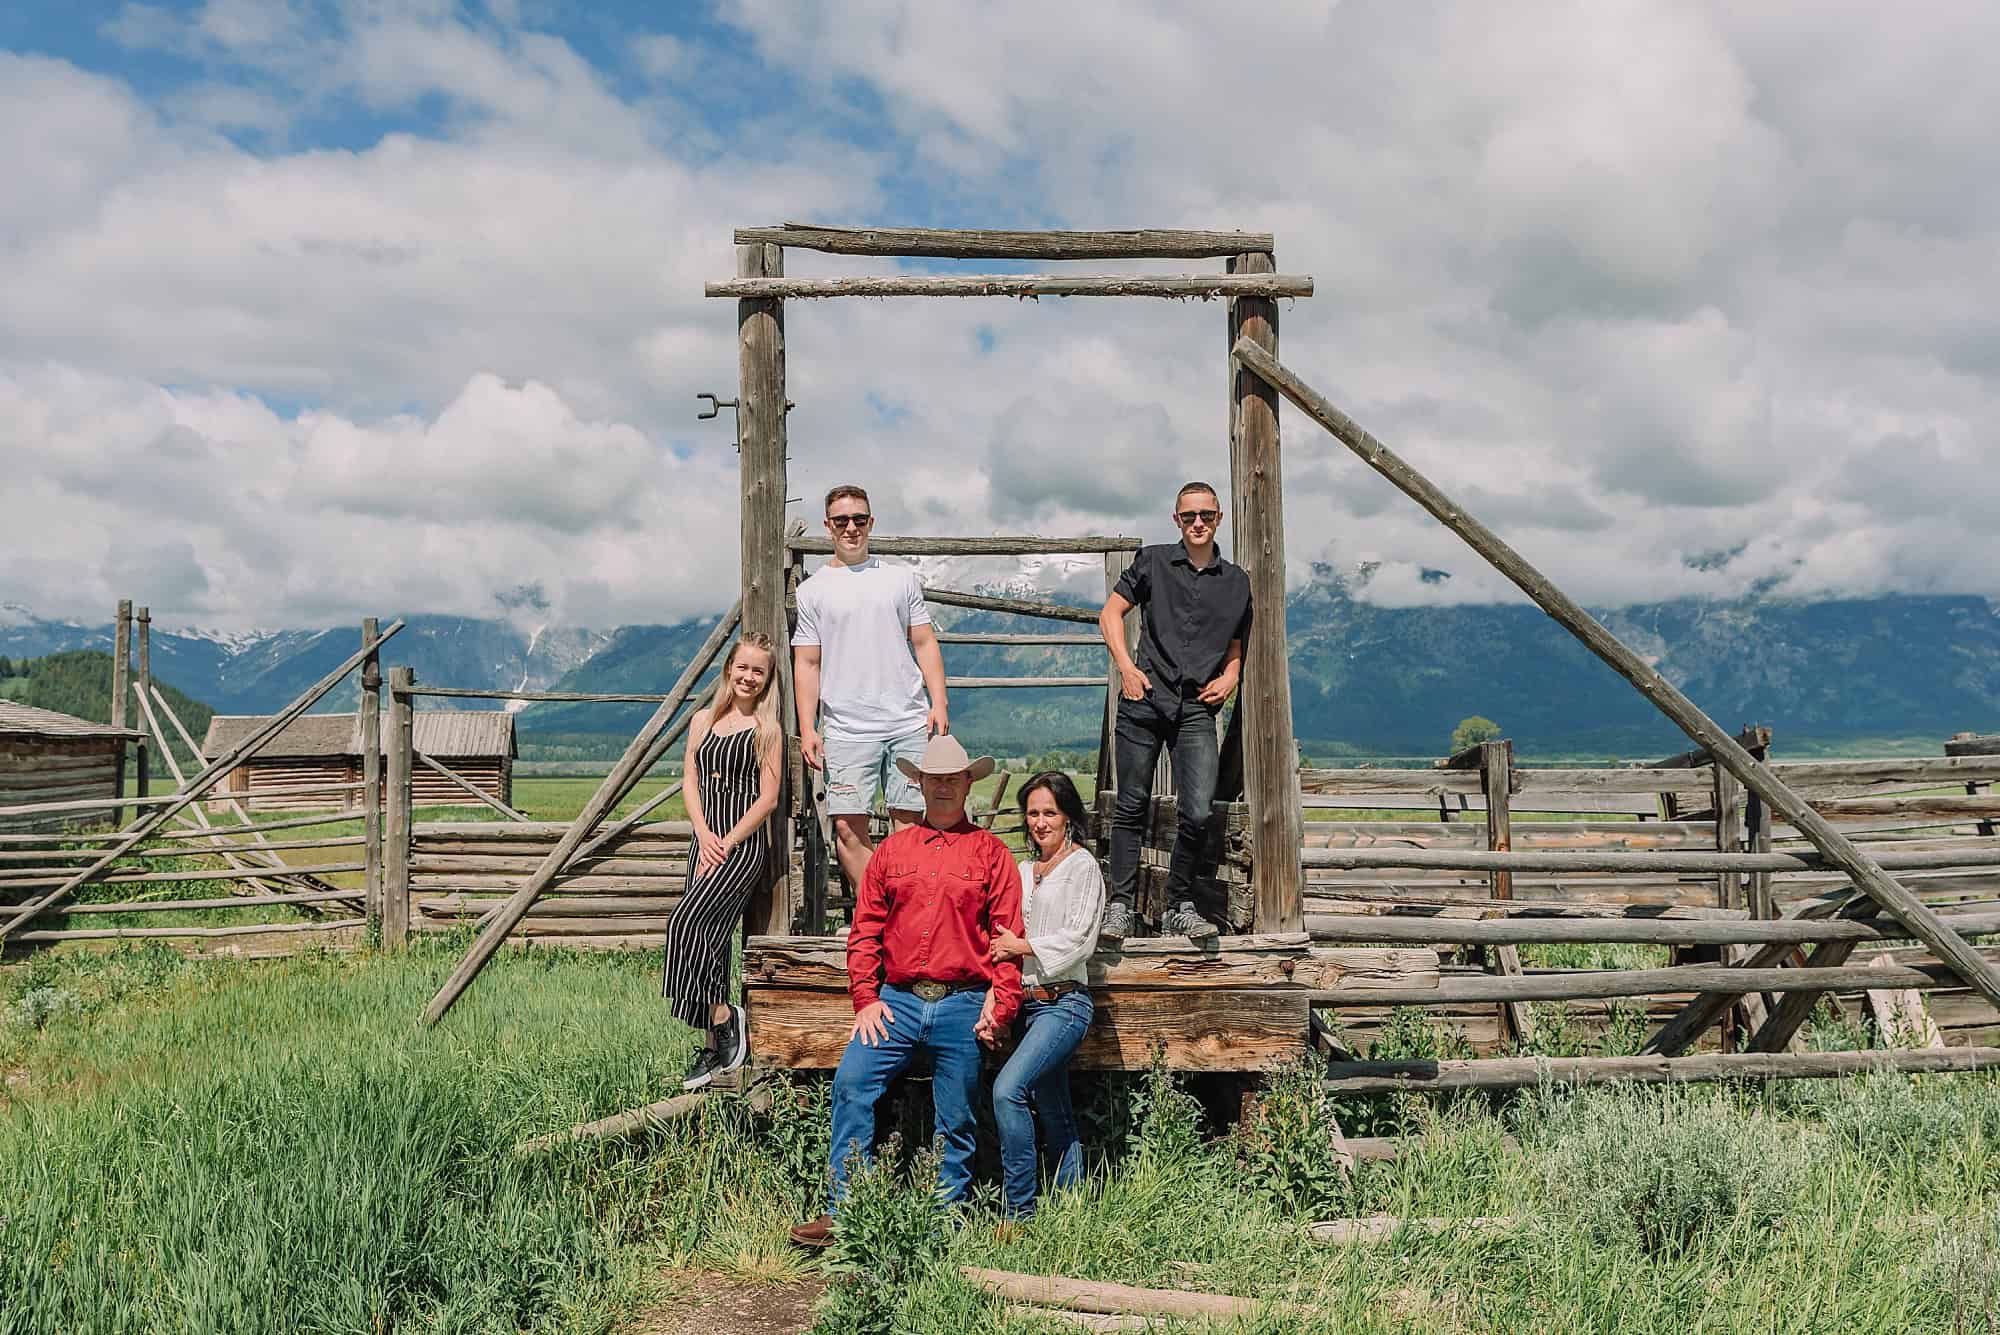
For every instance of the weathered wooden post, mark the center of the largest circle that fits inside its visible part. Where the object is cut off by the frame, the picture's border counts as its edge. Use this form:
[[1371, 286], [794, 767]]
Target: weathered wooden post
[[760, 427], [121, 686], [396, 850], [144, 681], [1757, 827], [1496, 782], [1270, 774], [1115, 566], [371, 774]]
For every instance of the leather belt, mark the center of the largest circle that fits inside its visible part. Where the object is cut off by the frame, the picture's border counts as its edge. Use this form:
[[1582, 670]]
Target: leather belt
[[927, 990], [1047, 992]]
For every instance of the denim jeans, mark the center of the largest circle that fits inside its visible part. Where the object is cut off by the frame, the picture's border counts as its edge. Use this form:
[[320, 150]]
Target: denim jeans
[[942, 1028], [1186, 728], [1039, 1070]]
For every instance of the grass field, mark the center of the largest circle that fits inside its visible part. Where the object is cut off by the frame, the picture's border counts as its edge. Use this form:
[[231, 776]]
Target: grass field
[[218, 1147]]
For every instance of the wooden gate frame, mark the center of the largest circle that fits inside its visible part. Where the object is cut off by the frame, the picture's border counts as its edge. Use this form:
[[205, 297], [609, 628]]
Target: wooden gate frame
[[1251, 286]]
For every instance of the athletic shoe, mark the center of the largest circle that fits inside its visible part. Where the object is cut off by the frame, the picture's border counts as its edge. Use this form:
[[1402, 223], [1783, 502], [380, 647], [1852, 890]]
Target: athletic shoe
[[732, 1041], [1117, 922], [701, 1070], [1186, 921]]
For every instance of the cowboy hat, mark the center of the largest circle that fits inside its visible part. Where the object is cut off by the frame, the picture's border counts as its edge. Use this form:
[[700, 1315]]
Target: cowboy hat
[[943, 755]]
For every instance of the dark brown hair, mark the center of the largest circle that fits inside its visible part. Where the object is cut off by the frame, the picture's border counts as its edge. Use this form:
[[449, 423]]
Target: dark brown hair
[[1068, 801], [843, 491], [1187, 487]]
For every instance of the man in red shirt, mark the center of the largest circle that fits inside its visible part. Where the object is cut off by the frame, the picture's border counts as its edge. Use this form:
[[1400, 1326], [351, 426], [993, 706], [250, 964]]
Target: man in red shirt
[[919, 971]]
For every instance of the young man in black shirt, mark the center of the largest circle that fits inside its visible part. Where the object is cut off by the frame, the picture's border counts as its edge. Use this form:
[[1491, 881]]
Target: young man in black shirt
[[1196, 609]]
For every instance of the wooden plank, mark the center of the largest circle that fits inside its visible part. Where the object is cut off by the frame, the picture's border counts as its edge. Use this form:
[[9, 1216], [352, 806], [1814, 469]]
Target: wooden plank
[[1570, 863], [1973, 744], [186, 933], [1026, 607], [1443, 931], [1264, 697], [1181, 287], [1060, 1294], [1527, 1072], [1198, 1029], [1900, 1014], [613, 789], [1032, 683], [1151, 964], [1011, 545], [968, 244], [1044, 639], [140, 829], [549, 832], [1598, 984], [190, 905], [578, 697], [121, 669], [63, 875]]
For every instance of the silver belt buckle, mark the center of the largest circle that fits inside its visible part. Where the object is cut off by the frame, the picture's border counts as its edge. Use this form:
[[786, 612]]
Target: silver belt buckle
[[929, 991]]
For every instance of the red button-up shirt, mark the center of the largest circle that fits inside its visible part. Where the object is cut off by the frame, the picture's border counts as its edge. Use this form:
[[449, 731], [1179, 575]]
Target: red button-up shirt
[[927, 909]]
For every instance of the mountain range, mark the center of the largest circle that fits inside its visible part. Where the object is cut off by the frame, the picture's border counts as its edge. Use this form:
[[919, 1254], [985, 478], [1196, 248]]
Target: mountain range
[[1366, 679]]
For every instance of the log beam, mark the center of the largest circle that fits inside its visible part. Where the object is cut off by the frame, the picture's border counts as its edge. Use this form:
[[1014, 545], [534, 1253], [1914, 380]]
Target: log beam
[[969, 244], [1204, 287]]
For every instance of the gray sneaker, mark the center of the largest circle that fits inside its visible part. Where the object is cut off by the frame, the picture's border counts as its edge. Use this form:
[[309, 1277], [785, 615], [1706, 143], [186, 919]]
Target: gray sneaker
[[1117, 922], [1185, 921]]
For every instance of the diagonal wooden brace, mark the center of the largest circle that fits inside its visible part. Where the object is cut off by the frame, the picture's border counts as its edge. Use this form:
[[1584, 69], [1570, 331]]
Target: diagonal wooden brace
[[1921, 922], [609, 793]]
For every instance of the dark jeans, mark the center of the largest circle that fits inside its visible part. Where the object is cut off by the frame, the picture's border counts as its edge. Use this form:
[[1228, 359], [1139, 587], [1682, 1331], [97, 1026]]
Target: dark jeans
[[1039, 1071], [942, 1028], [1186, 728]]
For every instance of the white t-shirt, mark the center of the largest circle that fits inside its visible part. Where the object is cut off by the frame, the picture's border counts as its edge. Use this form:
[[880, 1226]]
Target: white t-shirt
[[860, 616]]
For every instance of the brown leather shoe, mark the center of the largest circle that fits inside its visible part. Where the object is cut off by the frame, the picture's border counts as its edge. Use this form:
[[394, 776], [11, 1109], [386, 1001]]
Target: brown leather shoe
[[815, 1234]]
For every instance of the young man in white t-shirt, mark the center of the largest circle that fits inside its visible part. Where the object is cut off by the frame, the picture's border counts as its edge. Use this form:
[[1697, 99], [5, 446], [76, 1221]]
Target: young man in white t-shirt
[[869, 679]]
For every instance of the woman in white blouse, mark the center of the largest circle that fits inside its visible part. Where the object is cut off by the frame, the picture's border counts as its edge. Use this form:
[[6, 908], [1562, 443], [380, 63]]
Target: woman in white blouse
[[1062, 906]]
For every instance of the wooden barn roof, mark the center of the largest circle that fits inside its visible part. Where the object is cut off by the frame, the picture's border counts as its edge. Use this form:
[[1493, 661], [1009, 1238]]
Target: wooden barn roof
[[445, 733], [18, 720]]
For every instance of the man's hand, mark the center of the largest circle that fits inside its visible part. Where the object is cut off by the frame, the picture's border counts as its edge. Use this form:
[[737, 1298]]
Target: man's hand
[[1133, 684], [983, 1028], [1007, 946], [939, 720], [1218, 691], [871, 1024], [711, 851], [811, 748]]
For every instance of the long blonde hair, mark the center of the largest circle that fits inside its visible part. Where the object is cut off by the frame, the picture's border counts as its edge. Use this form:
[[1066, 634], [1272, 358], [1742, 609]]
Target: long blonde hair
[[770, 736]]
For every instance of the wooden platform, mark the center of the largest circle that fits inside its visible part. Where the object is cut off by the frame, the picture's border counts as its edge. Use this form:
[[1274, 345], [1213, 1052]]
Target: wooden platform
[[1235, 1004]]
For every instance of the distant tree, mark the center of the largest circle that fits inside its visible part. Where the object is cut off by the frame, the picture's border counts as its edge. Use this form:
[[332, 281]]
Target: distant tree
[[6, 668], [1472, 731]]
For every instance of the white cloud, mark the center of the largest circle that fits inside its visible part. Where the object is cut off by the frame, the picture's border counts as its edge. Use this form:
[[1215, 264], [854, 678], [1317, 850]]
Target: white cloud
[[1681, 299]]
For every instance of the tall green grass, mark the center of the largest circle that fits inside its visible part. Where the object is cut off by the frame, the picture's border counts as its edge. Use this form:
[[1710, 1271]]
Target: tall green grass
[[214, 1146]]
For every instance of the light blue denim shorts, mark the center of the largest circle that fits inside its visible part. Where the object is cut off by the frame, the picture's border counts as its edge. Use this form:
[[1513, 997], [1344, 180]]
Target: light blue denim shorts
[[858, 769]]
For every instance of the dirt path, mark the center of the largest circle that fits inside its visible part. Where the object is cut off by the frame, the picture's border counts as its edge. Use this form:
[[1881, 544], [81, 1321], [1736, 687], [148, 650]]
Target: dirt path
[[707, 1303]]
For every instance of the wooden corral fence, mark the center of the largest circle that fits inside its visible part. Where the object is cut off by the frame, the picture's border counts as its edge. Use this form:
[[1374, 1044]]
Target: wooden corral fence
[[173, 842]]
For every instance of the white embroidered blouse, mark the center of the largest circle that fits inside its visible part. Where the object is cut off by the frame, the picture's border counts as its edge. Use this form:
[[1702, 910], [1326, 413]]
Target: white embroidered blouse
[[1062, 911]]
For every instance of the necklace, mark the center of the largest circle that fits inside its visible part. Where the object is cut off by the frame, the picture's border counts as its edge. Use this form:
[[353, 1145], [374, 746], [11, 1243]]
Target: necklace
[[1043, 866]]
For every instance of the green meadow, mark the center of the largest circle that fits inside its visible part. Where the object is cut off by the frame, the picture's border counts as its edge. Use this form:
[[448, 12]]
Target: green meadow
[[217, 1146]]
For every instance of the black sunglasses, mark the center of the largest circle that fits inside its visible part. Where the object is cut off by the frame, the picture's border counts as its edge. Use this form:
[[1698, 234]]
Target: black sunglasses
[[850, 521], [1208, 517]]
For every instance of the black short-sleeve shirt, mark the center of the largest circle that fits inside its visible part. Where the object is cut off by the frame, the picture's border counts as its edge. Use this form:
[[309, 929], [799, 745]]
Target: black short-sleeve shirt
[[1190, 615]]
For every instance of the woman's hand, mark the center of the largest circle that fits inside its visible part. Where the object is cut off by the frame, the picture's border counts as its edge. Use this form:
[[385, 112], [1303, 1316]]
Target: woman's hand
[[1007, 946], [712, 851]]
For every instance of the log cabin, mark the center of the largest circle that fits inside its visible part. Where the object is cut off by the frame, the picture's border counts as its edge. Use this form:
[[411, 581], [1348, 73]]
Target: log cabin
[[50, 757], [316, 751]]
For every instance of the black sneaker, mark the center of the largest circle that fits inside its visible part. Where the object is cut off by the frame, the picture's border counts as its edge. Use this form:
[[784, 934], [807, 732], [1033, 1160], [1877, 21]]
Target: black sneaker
[[1187, 921], [701, 1070], [732, 1041]]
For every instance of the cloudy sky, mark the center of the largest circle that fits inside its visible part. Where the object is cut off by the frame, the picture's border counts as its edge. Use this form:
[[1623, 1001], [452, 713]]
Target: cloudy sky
[[365, 306]]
